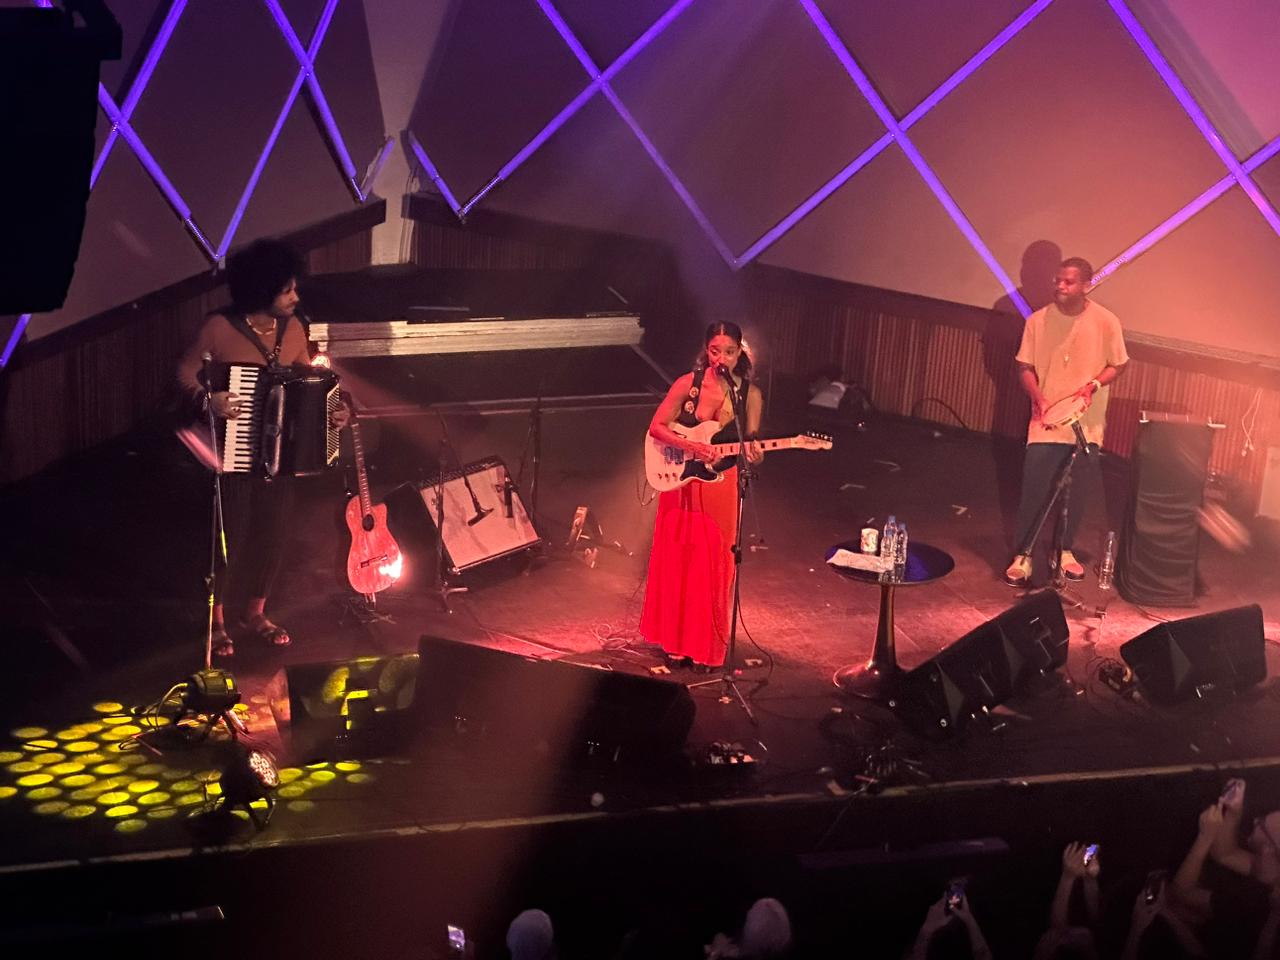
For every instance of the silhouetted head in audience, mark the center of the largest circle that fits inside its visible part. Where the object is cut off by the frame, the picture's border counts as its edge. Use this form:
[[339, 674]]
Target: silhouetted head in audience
[[766, 933], [531, 937]]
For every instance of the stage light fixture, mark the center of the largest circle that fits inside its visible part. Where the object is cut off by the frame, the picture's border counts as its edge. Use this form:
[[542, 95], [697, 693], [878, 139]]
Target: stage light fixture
[[251, 774]]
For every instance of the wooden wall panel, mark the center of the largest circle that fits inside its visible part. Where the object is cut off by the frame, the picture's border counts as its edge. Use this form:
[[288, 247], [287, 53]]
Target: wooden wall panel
[[96, 382]]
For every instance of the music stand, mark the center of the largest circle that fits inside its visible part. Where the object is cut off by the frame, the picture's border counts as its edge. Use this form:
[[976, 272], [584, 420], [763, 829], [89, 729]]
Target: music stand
[[443, 588], [726, 679]]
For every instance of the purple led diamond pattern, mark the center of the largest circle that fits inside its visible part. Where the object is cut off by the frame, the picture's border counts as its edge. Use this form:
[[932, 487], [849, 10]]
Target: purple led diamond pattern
[[896, 132]]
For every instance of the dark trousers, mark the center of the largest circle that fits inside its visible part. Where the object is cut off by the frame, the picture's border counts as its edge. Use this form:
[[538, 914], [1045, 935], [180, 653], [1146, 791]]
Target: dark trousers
[[1039, 468], [257, 514]]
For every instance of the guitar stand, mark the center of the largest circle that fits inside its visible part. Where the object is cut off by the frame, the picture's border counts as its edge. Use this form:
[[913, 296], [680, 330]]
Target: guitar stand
[[362, 608]]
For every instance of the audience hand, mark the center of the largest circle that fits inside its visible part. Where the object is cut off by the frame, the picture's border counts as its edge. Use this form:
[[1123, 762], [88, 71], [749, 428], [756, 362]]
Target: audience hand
[[1143, 912], [1211, 820], [1233, 795]]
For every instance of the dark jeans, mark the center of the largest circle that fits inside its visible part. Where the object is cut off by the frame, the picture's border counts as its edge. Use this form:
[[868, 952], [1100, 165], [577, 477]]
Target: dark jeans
[[1039, 468], [257, 514]]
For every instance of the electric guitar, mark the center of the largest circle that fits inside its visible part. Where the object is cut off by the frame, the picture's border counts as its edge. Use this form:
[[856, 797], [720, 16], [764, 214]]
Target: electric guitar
[[667, 467], [374, 562]]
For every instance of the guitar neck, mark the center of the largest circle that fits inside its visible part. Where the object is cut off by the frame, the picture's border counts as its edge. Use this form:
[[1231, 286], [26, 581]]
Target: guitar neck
[[731, 449], [362, 480]]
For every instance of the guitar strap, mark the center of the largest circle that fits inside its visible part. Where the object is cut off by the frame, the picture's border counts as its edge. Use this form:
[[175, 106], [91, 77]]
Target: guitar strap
[[688, 416]]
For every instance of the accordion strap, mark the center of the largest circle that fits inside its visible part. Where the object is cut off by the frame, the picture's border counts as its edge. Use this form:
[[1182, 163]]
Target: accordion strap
[[240, 323]]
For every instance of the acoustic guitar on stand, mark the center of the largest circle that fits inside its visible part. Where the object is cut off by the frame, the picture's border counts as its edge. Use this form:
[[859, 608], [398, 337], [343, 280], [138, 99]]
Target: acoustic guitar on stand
[[667, 467], [374, 562]]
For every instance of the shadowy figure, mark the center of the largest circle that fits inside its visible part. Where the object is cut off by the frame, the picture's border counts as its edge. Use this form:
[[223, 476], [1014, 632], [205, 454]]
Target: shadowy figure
[[999, 346]]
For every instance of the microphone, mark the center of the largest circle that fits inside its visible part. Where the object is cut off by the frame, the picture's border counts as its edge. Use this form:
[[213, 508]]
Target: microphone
[[506, 496], [481, 513], [724, 372], [206, 360]]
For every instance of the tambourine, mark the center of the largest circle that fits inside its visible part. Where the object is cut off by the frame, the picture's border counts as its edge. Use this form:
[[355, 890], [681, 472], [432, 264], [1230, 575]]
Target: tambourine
[[1064, 412]]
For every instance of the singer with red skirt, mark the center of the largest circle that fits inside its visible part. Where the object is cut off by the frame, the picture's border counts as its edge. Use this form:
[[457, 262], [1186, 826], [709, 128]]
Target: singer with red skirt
[[691, 569]]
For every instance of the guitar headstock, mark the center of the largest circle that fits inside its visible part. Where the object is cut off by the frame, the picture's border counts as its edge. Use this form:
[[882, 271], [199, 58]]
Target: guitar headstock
[[813, 441]]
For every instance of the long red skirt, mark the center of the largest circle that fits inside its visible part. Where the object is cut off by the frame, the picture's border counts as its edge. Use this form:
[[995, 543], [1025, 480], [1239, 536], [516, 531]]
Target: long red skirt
[[687, 595]]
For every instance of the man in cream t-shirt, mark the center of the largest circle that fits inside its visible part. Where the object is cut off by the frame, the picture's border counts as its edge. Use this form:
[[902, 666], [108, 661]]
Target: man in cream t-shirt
[[1071, 348]]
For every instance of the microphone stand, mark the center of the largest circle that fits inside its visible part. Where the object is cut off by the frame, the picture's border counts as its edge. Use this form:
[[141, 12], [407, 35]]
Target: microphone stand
[[443, 588], [726, 680], [217, 528], [1058, 494]]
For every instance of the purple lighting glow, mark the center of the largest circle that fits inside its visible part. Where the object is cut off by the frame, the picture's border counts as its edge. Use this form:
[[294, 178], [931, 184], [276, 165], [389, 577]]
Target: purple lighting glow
[[139, 83], [434, 175], [1185, 214], [1198, 116], [917, 160], [306, 74], [928, 103], [599, 82]]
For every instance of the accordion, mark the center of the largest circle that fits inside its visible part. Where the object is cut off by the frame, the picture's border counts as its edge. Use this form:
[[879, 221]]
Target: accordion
[[283, 428]]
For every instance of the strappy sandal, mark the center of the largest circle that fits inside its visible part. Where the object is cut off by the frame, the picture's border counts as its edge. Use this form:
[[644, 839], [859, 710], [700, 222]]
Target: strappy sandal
[[260, 628], [221, 643], [1019, 572]]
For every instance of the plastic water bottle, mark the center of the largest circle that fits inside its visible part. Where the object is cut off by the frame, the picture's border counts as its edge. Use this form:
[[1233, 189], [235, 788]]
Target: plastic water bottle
[[888, 536], [1107, 568], [887, 540], [900, 552]]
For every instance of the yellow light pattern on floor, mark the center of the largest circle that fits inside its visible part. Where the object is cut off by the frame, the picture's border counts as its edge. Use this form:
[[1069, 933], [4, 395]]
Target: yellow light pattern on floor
[[104, 767]]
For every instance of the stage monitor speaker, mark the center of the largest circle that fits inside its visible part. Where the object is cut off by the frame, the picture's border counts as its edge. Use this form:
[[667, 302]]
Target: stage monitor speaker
[[985, 667], [48, 112], [1160, 546], [563, 712], [499, 527], [345, 708], [1213, 653]]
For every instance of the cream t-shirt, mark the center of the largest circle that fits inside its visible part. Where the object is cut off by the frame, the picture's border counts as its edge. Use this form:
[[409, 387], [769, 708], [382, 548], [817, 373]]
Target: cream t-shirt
[[1068, 352]]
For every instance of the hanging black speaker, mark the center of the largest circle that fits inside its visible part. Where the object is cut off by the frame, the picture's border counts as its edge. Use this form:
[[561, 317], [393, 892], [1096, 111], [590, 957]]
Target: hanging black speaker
[[1212, 654], [48, 108]]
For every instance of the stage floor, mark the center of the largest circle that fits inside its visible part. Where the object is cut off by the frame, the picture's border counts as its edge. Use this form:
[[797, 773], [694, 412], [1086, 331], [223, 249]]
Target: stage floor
[[107, 559]]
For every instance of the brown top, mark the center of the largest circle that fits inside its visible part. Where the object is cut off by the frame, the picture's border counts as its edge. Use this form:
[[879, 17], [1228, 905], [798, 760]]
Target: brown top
[[225, 344], [1067, 352]]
